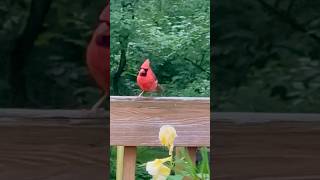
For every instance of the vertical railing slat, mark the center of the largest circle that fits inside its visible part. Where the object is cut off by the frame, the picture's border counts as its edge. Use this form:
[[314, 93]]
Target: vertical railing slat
[[129, 162], [192, 153]]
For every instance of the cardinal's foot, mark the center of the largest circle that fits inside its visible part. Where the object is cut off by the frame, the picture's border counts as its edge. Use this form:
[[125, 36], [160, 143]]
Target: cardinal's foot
[[99, 103], [141, 94]]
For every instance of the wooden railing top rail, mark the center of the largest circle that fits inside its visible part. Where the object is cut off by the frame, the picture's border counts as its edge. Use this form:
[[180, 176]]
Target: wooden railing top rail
[[53, 117], [136, 98], [135, 121], [62, 117], [254, 117]]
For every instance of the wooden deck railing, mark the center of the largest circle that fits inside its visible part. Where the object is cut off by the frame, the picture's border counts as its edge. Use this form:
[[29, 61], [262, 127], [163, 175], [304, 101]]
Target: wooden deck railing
[[53, 144], [71, 144], [136, 122], [265, 146]]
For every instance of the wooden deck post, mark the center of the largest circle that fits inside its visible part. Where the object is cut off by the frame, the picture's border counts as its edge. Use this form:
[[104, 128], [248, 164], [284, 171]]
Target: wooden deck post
[[193, 153], [129, 163]]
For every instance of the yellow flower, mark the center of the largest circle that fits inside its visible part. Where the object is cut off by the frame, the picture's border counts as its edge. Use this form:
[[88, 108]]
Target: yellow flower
[[167, 135], [157, 169]]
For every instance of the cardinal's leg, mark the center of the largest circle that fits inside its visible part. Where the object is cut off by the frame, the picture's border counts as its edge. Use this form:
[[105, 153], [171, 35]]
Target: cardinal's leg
[[141, 93], [98, 104]]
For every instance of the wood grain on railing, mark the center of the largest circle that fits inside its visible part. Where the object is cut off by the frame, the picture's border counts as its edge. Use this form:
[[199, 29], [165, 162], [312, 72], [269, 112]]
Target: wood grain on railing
[[53, 117], [129, 162], [71, 144], [136, 121], [266, 146], [53, 144]]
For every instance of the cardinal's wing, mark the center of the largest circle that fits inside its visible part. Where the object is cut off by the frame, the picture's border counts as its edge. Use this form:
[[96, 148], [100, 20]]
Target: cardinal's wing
[[154, 76]]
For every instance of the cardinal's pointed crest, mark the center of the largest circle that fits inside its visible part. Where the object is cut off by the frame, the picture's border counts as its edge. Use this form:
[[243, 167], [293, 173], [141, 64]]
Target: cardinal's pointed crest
[[146, 64], [105, 14]]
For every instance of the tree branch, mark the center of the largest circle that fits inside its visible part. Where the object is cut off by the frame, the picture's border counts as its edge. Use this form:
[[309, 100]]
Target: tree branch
[[122, 63], [22, 49], [123, 39], [196, 65], [202, 58]]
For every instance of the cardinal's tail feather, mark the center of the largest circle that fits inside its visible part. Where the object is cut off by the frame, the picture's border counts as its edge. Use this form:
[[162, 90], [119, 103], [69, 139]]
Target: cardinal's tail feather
[[159, 88]]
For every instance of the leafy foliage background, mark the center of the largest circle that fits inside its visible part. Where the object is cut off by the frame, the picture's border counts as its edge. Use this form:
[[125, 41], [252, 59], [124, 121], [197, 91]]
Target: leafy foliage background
[[55, 70], [174, 35], [266, 56]]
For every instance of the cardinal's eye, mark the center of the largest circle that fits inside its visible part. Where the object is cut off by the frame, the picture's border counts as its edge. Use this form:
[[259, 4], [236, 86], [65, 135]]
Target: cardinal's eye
[[103, 40]]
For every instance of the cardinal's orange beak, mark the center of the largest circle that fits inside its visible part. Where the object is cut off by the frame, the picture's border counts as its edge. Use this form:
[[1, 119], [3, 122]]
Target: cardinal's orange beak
[[102, 36], [142, 71]]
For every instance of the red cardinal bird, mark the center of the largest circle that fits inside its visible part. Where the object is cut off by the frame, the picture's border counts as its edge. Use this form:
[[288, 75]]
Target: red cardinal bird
[[146, 79], [98, 54]]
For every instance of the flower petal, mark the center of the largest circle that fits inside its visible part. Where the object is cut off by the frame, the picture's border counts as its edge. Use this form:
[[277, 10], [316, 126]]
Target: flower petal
[[167, 136], [157, 169]]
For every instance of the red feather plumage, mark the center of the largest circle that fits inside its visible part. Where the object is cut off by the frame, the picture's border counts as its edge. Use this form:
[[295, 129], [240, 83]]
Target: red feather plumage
[[98, 52], [146, 79]]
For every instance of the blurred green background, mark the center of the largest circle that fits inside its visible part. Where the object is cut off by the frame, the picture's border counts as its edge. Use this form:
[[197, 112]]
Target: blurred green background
[[44, 42], [173, 34], [267, 56], [49, 72]]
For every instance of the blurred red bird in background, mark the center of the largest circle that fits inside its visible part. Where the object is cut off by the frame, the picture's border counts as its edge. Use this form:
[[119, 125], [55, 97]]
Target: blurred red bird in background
[[98, 54], [146, 79]]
